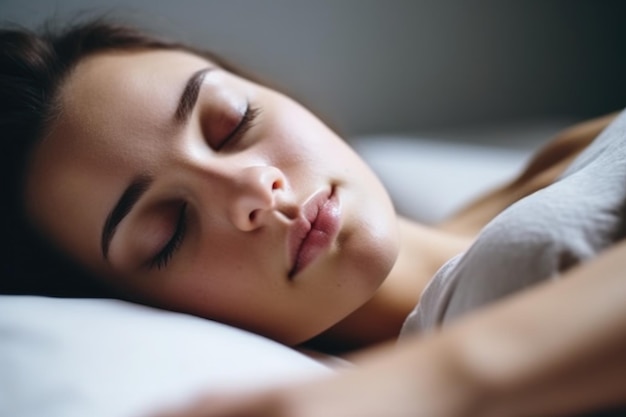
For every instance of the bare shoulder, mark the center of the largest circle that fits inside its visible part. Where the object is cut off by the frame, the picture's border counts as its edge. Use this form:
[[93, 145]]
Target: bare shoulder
[[552, 159], [542, 170]]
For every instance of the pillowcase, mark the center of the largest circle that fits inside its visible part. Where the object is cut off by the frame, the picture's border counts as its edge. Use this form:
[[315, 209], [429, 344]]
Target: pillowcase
[[109, 358]]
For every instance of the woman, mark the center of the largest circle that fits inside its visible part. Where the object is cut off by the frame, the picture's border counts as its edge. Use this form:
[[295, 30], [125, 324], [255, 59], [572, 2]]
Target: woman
[[156, 171]]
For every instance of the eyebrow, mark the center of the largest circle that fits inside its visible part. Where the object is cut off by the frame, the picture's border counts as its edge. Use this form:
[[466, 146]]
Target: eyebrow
[[140, 185], [124, 205], [189, 96]]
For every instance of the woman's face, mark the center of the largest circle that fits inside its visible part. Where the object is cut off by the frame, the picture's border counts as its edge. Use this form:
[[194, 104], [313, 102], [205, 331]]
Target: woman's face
[[209, 194]]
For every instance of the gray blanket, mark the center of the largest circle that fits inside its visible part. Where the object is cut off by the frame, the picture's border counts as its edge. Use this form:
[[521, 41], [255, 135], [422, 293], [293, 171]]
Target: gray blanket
[[537, 238]]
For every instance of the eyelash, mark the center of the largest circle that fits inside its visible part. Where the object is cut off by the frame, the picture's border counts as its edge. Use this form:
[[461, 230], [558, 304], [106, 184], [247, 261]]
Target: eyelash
[[161, 260], [163, 257], [244, 125]]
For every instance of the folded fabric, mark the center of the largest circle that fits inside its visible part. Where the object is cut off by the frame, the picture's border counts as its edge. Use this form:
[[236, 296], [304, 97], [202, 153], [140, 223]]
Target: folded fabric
[[537, 238]]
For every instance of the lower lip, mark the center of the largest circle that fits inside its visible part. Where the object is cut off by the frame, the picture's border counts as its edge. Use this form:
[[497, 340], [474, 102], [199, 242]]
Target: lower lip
[[320, 237]]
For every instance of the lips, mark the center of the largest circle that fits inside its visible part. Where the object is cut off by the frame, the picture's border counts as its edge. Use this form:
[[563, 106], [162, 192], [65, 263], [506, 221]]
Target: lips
[[314, 232]]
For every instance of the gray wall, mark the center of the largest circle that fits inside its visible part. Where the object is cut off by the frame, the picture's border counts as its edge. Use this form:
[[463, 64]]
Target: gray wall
[[400, 65]]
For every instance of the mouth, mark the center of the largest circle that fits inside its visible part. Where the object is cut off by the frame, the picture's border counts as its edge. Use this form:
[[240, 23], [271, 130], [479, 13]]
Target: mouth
[[313, 233]]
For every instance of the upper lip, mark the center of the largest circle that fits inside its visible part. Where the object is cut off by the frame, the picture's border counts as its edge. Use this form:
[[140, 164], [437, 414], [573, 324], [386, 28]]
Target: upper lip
[[303, 224]]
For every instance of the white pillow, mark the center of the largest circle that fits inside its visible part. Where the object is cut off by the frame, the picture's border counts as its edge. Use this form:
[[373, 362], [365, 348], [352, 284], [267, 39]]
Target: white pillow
[[87, 357], [429, 179]]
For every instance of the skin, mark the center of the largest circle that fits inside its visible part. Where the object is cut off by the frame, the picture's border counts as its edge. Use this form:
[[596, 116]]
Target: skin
[[232, 265], [239, 200]]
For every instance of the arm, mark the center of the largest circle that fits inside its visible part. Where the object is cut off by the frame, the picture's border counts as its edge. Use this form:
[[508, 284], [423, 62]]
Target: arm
[[555, 349]]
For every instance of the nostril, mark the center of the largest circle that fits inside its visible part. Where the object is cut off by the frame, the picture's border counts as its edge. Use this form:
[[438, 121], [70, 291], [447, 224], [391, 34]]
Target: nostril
[[252, 215], [277, 184]]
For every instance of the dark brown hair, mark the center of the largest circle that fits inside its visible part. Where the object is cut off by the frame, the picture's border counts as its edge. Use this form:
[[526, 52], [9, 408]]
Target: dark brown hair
[[33, 67]]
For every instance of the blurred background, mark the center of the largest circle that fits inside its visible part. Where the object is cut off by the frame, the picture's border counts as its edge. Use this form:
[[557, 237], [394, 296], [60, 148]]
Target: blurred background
[[389, 66]]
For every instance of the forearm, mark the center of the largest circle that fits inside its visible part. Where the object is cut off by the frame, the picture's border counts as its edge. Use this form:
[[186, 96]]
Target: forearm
[[555, 349]]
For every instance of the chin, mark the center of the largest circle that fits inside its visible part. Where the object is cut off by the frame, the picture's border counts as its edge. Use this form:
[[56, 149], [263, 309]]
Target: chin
[[383, 254], [378, 238], [370, 254]]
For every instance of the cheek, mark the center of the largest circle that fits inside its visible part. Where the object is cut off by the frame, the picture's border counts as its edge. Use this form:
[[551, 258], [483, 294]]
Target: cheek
[[296, 138], [316, 152], [222, 277]]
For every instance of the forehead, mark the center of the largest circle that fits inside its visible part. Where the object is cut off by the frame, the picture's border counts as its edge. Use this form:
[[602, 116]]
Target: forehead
[[108, 89], [115, 110]]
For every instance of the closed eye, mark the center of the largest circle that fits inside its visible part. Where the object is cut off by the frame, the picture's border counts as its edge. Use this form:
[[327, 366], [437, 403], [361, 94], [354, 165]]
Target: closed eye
[[246, 122], [162, 258]]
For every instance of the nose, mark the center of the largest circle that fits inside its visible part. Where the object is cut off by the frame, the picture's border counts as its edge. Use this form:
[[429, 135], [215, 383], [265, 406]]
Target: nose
[[256, 193]]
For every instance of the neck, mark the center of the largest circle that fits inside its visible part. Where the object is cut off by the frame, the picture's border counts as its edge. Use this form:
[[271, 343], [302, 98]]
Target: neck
[[423, 250]]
